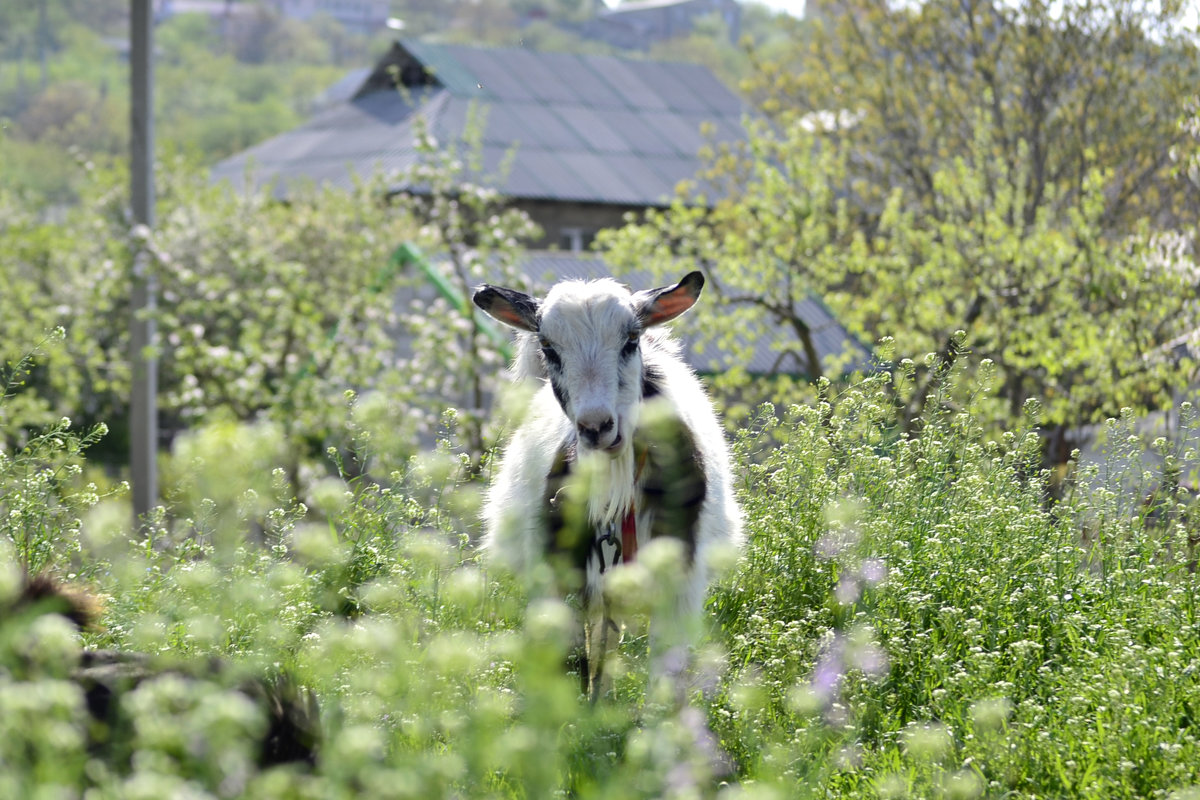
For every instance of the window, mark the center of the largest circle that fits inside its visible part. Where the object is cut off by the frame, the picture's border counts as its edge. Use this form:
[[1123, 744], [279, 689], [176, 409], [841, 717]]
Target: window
[[575, 240]]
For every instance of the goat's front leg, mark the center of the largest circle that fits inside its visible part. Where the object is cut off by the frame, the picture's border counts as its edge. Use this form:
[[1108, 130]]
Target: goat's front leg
[[600, 629]]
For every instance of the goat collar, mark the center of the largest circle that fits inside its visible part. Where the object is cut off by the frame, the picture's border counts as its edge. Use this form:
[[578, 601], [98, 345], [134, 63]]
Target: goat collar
[[626, 546]]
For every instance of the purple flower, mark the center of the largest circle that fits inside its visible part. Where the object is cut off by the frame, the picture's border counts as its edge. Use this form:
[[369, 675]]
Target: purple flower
[[828, 674]]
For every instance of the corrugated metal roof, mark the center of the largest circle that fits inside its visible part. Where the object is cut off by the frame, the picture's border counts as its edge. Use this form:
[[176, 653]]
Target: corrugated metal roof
[[579, 73], [625, 77], [773, 348], [593, 129], [706, 85], [676, 92], [634, 125], [593, 133]]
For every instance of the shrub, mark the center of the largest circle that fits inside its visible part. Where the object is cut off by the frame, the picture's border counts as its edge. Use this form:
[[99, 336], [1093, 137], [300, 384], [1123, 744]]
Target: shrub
[[40, 499]]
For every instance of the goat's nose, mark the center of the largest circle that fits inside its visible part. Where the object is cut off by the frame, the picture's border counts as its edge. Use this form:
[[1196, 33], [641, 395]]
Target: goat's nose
[[595, 428]]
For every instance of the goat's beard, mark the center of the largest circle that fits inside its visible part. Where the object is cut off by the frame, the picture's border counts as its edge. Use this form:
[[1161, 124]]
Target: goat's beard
[[611, 482]]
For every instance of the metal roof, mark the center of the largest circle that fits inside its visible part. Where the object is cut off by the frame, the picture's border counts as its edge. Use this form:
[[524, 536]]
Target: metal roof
[[592, 129], [765, 348]]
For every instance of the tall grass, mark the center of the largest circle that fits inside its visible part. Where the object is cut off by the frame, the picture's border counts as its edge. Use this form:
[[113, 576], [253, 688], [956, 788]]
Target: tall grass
[[912, 617]]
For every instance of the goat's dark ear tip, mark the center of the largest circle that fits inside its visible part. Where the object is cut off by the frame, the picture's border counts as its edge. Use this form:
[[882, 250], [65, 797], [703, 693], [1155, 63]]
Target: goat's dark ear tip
[[694, 280], [481, 295]]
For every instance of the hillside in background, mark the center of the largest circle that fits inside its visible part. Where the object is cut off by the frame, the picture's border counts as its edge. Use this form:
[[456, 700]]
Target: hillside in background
[[226, 80]]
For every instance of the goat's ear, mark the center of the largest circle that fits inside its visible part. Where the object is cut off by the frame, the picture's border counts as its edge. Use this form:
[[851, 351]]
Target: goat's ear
[[508, 306], [656, 306]]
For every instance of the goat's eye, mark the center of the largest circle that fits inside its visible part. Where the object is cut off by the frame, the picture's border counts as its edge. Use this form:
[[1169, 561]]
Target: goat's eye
[[550, 353], [631, 345]]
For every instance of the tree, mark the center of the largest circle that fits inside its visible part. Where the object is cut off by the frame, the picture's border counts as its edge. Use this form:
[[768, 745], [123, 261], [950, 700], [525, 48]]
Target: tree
[[471, 236], [267, 311], [72, 114], [1015, 173], [1065, 89], [270, 311]]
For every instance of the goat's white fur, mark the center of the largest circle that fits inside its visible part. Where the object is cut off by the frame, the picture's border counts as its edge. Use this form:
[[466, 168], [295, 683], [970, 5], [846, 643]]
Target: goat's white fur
[[587, 324]]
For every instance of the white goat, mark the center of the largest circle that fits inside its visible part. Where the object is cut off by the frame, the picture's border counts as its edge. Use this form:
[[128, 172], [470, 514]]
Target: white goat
[[591, 346]]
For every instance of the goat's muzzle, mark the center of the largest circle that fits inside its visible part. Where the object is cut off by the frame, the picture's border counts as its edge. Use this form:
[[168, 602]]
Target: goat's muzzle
[[598, 430]]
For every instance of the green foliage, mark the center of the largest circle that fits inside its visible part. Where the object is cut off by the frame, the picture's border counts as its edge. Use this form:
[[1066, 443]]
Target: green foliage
[[908, 620], [912, 621], [273, 311], [265, 310], [63, 86], [40, 500], [471, 236], [280, 313], [1062, 92], [911, 617], [957, 168]]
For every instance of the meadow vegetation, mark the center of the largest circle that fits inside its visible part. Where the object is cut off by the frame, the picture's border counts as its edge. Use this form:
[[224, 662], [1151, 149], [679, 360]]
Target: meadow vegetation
[[937, 598], [910, 618]]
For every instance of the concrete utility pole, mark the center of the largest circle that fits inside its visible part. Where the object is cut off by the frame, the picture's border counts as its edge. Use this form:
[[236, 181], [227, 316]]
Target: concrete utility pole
[[143, 403]]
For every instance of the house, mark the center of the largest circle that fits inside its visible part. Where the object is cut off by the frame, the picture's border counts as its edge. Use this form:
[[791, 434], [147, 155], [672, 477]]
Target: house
[[640, 24], [226, 15], [591, 137], [585, 139], [360, 16]]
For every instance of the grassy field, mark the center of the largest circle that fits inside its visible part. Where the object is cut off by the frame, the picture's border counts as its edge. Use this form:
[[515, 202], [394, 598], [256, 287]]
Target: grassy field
[[911, 618]]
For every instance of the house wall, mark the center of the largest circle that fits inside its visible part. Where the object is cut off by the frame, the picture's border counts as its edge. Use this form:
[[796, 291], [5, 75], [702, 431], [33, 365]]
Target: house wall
[[556, 217], [363, 16], [650, 22]]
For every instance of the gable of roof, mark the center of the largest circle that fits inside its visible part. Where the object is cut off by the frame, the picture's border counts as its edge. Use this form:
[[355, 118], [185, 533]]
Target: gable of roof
[[575, 128]]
